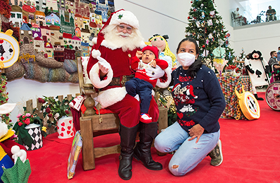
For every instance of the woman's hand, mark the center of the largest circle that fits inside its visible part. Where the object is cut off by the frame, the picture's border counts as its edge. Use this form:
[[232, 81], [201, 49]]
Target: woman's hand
[[196, 131]]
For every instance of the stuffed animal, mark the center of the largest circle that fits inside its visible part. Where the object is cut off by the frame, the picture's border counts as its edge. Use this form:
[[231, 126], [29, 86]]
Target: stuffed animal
[[18, 153], [5, 148], [5, 159], [6, 143], [257, 68], [5, 133]]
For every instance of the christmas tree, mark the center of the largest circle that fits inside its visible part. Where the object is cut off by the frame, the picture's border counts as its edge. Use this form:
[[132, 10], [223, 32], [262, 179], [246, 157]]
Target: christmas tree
[[206, 26]]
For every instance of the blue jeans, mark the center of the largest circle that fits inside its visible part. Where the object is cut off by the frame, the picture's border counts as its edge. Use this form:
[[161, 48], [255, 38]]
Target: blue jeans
[[188, 153]]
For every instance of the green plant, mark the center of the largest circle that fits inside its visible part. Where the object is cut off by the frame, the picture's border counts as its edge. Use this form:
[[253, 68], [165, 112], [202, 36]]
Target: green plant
[[53, 109], [22, 133], [4, 99], [168, 102]]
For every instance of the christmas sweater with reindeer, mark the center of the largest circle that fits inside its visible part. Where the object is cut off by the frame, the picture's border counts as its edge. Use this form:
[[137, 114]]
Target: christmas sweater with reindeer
[[198, 100]]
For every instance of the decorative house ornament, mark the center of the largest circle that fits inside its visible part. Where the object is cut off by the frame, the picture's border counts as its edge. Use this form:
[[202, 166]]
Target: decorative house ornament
[[9, 49], [53, 19]]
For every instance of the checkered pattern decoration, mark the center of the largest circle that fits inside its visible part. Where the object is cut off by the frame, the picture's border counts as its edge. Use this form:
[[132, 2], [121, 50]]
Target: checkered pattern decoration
[[36, 134]]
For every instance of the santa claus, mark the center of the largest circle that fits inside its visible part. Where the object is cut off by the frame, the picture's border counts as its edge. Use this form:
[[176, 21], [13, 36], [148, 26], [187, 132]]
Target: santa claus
[[108, 69]]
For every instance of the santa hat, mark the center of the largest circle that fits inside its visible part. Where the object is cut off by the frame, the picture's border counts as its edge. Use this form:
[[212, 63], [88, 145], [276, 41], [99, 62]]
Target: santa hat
[[126, 17], [152, 49]]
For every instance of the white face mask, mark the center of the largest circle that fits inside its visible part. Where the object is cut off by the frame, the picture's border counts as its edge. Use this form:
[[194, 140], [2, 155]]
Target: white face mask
[[186, 59]]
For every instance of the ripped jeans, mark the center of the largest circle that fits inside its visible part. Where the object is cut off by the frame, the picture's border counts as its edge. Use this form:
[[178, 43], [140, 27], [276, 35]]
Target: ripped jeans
[[188, 153]]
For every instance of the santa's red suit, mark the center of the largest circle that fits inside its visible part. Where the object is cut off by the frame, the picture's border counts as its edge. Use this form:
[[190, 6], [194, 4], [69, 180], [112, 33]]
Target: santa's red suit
[[113, 95]]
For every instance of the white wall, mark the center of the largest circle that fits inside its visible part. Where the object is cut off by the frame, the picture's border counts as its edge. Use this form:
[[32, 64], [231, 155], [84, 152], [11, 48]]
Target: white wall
[[21, 90]]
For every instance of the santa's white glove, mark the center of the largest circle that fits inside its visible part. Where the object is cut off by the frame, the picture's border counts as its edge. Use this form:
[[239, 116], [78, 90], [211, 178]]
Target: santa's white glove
[[154, 73], [103, 65]]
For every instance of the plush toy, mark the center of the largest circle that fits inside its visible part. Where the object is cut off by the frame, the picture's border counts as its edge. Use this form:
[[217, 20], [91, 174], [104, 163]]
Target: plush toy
[[18, 153], [5, 159], [5, 134], [6, 143], [165, 54], [257, 68]]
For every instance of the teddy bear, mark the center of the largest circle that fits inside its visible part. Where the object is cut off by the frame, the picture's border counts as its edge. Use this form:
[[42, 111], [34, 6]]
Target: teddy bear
[[257, 68]]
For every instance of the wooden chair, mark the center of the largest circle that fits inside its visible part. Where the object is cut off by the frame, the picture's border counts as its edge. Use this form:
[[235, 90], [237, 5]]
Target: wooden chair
[[90, 126]]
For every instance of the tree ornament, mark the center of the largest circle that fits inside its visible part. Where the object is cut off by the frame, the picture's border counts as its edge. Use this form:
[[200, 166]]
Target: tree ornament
[[202, 15], [212, 14], [209, 22], [203, 46]]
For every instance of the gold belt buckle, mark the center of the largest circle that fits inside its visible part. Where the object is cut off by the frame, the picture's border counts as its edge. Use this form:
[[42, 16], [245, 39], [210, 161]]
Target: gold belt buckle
[[124, 80]]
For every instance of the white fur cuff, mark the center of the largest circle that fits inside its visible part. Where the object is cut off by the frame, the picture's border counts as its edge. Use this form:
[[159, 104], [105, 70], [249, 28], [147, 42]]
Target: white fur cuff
[[165, 84], [111, 96], [95, 79]]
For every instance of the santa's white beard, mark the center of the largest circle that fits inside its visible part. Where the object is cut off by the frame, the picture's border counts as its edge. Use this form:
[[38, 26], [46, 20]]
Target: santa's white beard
[[115, 40]]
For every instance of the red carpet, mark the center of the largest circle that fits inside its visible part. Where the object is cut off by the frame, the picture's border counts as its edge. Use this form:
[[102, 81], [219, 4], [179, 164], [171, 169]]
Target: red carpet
[[250, 148]]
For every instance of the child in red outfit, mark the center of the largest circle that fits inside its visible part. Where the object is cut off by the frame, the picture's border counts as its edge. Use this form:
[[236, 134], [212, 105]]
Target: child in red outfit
[[142, 84]]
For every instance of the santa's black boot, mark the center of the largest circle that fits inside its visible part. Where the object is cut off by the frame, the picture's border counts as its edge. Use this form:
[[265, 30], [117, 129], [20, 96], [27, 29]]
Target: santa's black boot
[[128, 136], [142, 151], [258, 98]]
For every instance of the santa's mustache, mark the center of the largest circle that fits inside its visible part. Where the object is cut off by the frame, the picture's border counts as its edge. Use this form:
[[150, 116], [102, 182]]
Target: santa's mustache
[[123, 34]]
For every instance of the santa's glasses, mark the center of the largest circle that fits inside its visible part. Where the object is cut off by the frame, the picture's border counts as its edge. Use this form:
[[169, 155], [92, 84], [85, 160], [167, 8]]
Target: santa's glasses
[[122, 27]]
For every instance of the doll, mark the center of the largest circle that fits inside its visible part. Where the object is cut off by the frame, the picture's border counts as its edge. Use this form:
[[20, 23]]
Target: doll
[[257, 68], [165, 54]]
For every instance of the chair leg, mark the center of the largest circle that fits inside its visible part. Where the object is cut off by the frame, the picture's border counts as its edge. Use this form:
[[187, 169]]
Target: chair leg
[[88, 146], [163, 118]]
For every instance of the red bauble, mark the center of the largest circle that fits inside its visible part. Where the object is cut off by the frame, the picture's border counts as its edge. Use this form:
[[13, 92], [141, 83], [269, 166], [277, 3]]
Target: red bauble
[[188, 17], [203, 46]]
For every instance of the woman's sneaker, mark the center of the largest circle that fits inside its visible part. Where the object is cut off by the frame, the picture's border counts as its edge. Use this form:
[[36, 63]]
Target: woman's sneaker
[[216, 155], [145, 118]]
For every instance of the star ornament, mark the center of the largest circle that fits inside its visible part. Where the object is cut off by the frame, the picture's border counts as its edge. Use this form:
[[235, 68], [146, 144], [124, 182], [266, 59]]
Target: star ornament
[[120, 16]]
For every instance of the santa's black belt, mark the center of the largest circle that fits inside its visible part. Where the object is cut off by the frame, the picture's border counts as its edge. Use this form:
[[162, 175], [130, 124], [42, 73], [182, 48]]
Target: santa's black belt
[[120, 81]]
